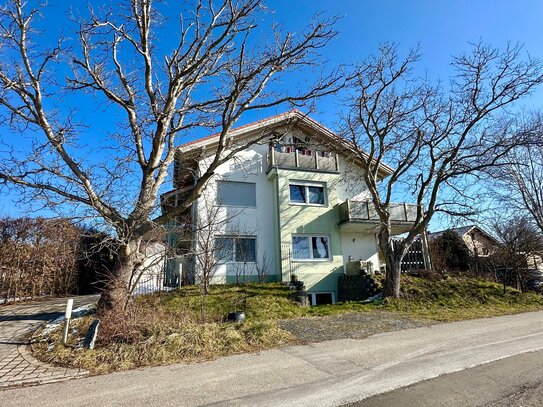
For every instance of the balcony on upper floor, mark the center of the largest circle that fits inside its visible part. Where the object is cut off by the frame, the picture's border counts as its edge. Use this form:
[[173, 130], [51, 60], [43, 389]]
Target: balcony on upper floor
[[295, 157], [171, 199], [360, 216]]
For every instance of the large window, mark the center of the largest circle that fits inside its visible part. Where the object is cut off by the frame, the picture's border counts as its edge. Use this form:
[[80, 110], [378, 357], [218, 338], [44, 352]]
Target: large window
[[310, 248], [307, 194], [232, 193], [235, 249]]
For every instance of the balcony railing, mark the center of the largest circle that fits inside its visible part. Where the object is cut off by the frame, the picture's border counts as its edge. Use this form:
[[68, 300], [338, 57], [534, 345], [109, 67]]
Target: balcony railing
[[364, 211], [304, 159], [171, 199]]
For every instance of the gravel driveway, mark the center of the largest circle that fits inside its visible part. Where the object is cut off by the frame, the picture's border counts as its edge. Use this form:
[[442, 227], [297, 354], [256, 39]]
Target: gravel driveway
[[347, 326]]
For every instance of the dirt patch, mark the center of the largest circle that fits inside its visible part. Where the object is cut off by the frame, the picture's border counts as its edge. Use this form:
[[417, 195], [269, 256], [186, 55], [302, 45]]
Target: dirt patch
[[347, 326]]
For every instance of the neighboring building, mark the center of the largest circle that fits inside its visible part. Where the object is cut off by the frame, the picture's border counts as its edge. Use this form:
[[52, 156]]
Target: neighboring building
[[293, 203], [535, 261], [479, 242]]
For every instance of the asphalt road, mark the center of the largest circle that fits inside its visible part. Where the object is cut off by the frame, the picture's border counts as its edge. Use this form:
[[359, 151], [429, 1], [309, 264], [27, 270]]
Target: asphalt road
[[516, 381], [323, 374]]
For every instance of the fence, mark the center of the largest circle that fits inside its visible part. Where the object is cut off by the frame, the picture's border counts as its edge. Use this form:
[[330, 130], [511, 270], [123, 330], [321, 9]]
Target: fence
[[414, 258]]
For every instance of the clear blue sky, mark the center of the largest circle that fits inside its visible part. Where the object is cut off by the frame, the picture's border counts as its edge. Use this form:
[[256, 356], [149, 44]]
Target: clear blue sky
[[442, 28]]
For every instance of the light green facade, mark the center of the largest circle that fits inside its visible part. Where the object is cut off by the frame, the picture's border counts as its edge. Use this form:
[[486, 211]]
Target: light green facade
[[298, 219]]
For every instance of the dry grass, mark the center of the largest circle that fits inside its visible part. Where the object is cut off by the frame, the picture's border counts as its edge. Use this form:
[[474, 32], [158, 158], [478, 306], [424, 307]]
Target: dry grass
[[182, 326], [443, 298]]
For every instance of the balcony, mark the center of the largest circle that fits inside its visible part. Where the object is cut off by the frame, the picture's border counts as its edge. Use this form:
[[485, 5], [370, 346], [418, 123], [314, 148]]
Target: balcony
[[291, 157], [357, 216], [171, 199]]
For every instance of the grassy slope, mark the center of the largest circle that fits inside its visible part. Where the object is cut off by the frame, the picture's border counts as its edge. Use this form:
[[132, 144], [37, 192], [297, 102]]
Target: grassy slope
[[170, 327]]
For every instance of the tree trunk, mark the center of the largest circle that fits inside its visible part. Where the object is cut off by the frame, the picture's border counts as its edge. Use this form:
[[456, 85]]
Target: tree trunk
[[393, 264], [116, 295]]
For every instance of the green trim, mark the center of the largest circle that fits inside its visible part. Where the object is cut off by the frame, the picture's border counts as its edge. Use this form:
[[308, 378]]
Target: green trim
[[270, 278]]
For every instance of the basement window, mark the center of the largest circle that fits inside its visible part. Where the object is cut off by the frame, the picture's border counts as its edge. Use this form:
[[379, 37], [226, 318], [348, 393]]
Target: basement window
[[324, 298]]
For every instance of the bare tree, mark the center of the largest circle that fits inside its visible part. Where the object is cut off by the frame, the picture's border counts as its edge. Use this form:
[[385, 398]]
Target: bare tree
[[433, 138], [519, 241], [517, 182], [223, 63]]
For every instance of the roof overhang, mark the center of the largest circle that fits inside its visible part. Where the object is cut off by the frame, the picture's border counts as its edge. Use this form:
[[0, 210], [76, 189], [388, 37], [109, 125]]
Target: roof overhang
[[266, 129]]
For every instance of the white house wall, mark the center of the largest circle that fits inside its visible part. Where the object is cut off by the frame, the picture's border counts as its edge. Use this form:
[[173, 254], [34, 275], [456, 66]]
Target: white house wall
[[248, 166]]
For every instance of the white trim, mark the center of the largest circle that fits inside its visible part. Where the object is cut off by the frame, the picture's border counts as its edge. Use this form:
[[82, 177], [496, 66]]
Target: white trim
[[314, 298]]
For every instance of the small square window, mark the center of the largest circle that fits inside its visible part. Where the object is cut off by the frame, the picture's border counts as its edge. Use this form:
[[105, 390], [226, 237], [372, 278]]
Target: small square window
[[224, 249], [297, 194], [316, 195], [246, 250], [300, 247]]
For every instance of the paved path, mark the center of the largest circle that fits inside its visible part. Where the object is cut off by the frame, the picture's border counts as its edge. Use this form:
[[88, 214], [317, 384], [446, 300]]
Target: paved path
[[17, 323], [323, 374]]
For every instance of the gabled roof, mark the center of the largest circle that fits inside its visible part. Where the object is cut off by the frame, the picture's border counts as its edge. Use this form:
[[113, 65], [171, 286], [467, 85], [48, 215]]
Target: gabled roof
[[462, 231], [292, 117]]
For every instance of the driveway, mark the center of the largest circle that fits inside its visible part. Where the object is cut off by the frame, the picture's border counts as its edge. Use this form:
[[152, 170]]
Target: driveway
[[17, 322], [324, 374]]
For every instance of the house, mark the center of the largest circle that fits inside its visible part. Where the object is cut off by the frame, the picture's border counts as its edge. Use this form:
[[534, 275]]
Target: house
[[479, 242], [293, 203]]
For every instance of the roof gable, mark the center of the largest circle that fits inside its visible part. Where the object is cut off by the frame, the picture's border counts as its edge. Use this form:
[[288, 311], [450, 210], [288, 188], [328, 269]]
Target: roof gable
[[293, 118]]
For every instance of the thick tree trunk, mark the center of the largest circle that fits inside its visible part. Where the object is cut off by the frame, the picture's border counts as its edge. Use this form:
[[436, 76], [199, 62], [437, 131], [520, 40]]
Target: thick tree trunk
[[116, 295], [393, 264]]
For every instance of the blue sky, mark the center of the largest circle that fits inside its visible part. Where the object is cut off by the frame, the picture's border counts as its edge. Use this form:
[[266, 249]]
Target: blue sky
[[442, 28]]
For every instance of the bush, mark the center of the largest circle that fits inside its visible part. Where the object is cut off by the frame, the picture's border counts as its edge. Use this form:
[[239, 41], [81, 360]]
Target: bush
[[37, 257]]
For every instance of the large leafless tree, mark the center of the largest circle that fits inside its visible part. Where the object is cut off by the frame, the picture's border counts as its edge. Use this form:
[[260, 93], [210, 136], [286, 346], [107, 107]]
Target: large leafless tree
[[160, 77], [518, 182], [433, 136]]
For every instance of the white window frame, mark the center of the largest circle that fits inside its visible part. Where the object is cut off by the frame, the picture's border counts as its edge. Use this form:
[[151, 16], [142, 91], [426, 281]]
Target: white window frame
[[306, 186], [219, 203], [234, 246], [312, 259], [314, 297]]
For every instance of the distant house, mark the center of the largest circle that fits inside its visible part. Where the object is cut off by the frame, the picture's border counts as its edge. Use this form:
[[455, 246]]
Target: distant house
[[535, 261], [479, 242]]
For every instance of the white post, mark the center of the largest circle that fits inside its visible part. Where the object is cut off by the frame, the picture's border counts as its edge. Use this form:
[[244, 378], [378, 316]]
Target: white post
[[67, 316]]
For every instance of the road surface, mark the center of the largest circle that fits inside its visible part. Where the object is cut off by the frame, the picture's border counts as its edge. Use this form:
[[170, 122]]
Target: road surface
[[323, 374], [516, 381]]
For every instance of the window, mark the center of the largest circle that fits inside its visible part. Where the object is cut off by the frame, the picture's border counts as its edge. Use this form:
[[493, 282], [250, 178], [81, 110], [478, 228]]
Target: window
[[320, 298], [310, 248], [235, 249], [232, 193], [307, 194]]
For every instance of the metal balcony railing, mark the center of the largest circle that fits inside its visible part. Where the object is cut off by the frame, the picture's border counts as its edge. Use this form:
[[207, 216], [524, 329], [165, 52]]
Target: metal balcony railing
[[360, 211], [304, 159]]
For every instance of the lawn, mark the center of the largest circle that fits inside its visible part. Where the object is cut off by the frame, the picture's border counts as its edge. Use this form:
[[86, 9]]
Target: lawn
[[184, 326]]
